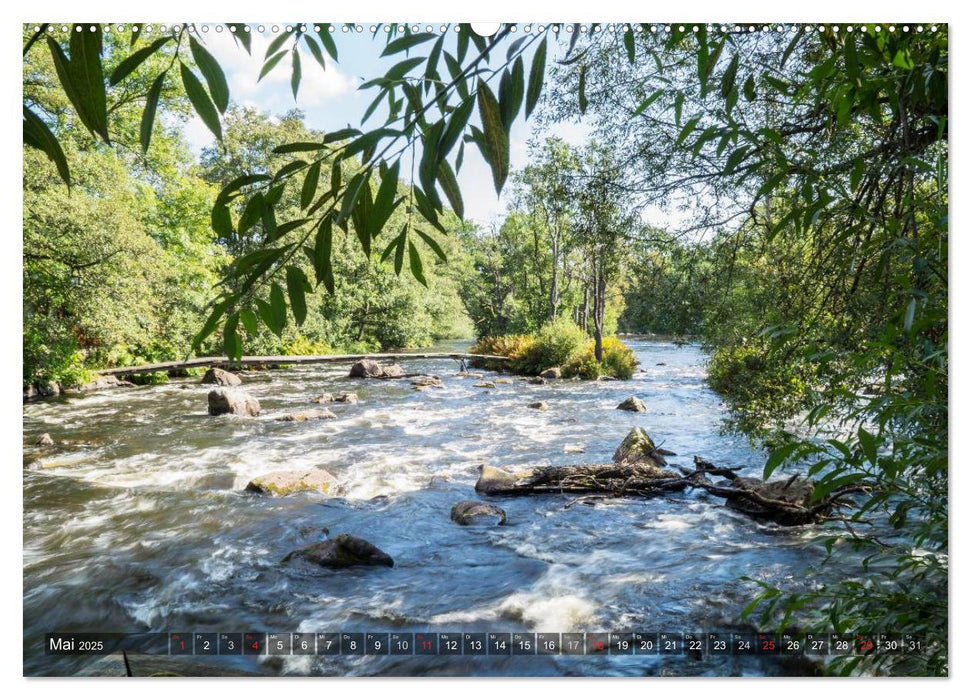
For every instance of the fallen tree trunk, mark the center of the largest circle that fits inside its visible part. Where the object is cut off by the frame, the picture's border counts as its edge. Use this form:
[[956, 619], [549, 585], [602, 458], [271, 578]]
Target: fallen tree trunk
[[637, 471], [630, 479]]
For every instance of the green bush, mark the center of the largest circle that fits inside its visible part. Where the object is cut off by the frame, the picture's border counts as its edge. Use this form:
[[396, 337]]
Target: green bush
[[761, 389], [557, 344], [619, 361]]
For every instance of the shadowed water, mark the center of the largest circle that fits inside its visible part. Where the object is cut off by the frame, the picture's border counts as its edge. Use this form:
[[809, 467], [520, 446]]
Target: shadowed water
[[142, 524]]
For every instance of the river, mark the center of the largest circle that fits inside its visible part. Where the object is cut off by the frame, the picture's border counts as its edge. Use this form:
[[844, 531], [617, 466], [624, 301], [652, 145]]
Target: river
[[141, 522]]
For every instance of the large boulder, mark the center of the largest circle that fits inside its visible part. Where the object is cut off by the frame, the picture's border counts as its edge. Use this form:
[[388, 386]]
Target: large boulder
[[632, 404], [45, 440], [232, 401], [637, 448], [342, 552], [323, 398], [552, 373], [220, 377], [283, 483], [485, 385], [478, 513], [303, 416], [369, 369], [366, 369], [539, 405]]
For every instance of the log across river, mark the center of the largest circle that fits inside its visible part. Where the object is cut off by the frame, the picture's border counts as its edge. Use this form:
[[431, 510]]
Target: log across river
[[265, 360]]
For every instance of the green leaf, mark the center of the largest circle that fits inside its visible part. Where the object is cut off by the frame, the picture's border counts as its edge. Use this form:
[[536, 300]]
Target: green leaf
[[213, 73], [296, 74], [728, 78], [537, 72], [278, 309], [322, 260], [232, 344], [238, 183], [251, 213], [37, 134], [648, 102], [433, 244], [309, 189], [341, 135], [201, 102], [210, 325], [396, 246], [909, 314], [868, 443], [79, 95], [297, 285], [456, 125], [270, 64], [250, 322], [222, 223], [428, 166], [582, 89], [351, 194], [414, 262], [494, 142], [327, 40], [276, 44], [749, 88], [688, 128], [148, 116], [400, 70], [629, 45], [777, 458], [450, 186], [406, 42], [735, 159], [128, 66], [315, 51], [241, 36], [384, 200], [88, 79]]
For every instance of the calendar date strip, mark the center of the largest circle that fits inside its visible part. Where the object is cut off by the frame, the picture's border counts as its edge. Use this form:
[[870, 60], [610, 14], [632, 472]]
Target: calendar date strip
[[479, 644]]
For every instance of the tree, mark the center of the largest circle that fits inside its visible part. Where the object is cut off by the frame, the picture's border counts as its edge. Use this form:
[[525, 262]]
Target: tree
[[603, 226]]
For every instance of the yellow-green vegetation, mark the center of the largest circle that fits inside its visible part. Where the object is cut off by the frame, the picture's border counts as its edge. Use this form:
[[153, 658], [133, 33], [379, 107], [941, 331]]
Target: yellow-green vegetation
[[562, 344]]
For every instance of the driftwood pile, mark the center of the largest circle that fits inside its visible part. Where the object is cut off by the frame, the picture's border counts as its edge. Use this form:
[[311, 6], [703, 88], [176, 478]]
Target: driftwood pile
[[639, 469]]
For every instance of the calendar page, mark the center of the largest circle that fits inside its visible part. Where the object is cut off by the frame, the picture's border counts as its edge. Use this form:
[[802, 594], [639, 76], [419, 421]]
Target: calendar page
[[512, 349]]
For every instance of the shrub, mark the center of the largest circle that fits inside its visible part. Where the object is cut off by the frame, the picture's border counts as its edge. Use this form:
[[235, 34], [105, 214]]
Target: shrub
[[557, 344], [761, 389], [619, 361]]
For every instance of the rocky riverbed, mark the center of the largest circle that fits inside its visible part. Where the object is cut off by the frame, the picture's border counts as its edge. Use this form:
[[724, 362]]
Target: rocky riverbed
[[147, 513]]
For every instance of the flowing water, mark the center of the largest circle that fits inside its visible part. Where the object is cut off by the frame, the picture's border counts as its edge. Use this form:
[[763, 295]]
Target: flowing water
[[140, 522]]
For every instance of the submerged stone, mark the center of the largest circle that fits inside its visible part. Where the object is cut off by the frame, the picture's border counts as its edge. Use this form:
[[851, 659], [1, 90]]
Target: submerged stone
[[478, 513], [632, 404], [303, 416], [342, 552], [283, 483]]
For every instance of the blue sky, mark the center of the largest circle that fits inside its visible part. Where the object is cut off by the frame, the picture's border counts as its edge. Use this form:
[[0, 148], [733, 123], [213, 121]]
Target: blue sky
[[331, 99]]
